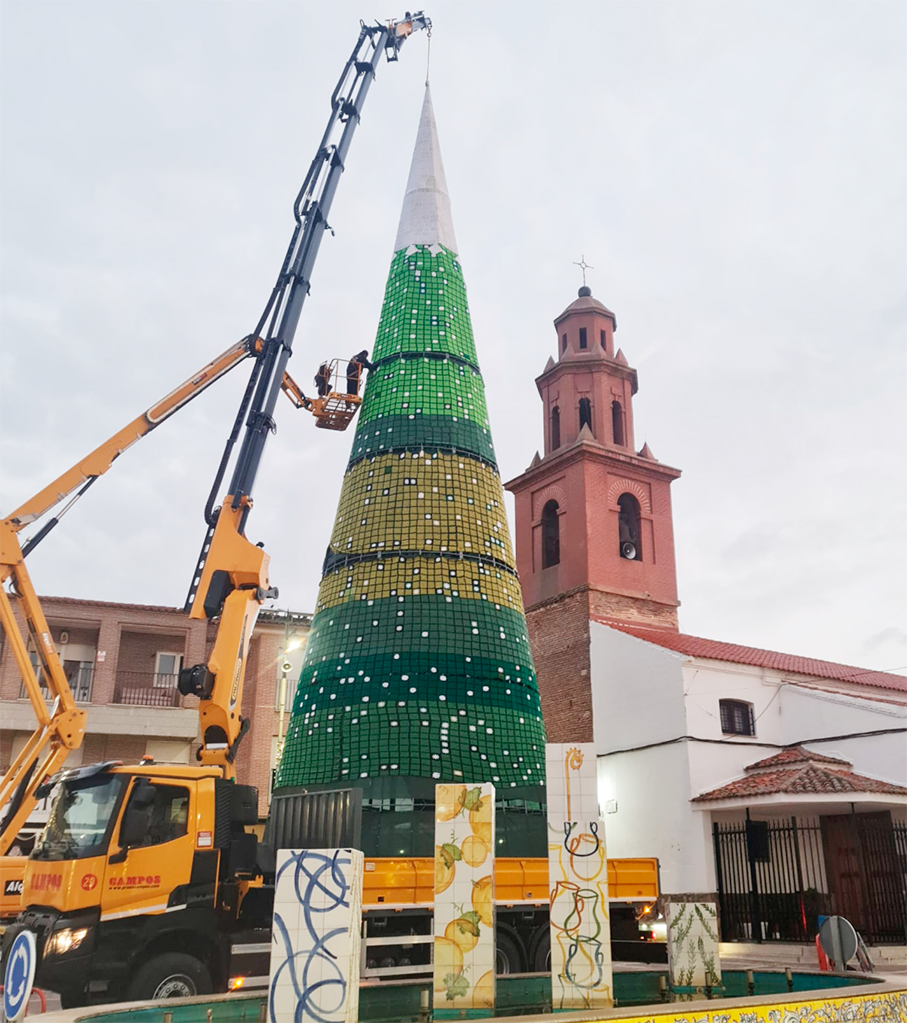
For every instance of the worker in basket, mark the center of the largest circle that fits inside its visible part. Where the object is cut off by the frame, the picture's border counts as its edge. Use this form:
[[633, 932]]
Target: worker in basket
[[323, 379], [354, 370]]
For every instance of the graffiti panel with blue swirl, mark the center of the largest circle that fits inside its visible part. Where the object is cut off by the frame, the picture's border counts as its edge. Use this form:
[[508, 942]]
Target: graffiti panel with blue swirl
[[315, 937]]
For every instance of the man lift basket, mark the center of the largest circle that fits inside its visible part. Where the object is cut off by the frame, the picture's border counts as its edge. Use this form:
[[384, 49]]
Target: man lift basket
[[338, 393]]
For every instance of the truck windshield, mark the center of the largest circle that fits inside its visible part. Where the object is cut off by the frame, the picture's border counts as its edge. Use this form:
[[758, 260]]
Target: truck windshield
[[80, 818]]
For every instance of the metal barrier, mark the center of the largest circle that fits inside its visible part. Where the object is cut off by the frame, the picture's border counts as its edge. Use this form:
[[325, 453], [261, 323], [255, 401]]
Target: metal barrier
[[79, 678], [146, 689], [36, 992]]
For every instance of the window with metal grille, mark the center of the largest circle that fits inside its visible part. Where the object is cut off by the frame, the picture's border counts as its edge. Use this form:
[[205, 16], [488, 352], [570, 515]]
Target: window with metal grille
[[167, 669], [737, 717]]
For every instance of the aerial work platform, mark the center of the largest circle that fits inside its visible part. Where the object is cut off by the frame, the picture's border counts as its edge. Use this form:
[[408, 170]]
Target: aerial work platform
[[338, 393]]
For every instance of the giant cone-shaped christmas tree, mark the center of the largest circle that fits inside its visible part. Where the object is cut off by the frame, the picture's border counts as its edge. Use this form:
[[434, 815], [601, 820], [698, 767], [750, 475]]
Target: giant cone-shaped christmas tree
[[418, 666]]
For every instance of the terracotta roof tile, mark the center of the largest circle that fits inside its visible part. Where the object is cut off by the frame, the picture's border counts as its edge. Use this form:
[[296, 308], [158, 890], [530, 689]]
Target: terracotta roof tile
[[79, 602], [812, 778], [714, 649], [267, 614], [796, 755]]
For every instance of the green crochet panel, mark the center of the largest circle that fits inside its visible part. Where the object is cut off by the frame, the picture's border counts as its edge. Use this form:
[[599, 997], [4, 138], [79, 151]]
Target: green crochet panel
[[418, 662], [440, 433], [426, 387], [425, 308]]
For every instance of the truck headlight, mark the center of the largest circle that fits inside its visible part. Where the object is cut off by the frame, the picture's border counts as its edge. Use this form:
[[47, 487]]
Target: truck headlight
[[67, 940]]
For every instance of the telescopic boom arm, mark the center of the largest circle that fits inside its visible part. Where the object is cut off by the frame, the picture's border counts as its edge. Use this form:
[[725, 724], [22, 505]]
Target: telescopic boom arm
[[231, 578]]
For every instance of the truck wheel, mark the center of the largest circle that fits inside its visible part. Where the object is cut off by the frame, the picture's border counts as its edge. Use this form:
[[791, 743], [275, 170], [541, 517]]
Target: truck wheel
[[507, 955], [72, 999], [541, 959], [172, 975]]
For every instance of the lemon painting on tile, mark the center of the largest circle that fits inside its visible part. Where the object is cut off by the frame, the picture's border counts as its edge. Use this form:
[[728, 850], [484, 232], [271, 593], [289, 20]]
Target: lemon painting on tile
[[464, 937]]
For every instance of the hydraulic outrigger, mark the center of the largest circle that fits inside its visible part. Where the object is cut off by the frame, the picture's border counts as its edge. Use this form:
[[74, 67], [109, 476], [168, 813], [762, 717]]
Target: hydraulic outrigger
[[231, 579]]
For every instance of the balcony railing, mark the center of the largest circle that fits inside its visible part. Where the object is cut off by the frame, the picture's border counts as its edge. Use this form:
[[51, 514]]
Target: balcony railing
[[79, 679], [146, 689]]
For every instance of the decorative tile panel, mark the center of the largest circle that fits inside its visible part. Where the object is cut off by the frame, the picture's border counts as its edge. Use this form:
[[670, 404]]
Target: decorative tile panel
[[578, 877], [315, 936], [693, 945], [886, 1007], [464, 946]]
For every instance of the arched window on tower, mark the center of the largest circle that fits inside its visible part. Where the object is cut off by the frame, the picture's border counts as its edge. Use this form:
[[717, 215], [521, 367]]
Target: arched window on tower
[[629, 538], [555, 428], [617, 423], [585, 413], [551, 536]]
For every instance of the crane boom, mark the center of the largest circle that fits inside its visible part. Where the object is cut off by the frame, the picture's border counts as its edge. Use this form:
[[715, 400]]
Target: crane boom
[[231, 578]]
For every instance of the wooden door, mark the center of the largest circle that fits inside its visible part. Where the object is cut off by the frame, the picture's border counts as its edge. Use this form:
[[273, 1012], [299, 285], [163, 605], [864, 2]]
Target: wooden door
[[843, 867]]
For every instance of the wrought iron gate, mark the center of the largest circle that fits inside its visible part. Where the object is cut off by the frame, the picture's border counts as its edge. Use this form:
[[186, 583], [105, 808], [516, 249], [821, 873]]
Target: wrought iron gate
[[775, 878]]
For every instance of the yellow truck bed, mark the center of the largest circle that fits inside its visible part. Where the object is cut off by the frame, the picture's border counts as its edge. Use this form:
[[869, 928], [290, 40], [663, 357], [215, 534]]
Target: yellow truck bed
[[410, 882]]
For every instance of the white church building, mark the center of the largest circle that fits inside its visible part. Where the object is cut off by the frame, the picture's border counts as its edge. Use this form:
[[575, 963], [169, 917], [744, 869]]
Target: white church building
[[772, 784]]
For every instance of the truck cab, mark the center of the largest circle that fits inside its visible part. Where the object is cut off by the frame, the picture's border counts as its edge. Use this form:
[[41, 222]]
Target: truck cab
[[133, 885]]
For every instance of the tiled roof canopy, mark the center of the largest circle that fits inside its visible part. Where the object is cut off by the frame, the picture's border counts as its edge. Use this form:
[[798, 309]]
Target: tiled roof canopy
[[718, 651], [803, 773], [796, 755]]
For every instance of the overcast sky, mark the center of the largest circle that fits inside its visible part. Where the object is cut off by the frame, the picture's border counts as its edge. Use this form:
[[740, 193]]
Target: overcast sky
[[734, 172]]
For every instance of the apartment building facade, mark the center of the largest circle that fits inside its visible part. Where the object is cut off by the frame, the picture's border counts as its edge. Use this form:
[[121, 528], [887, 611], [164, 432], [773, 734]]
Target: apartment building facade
[[122, 662]]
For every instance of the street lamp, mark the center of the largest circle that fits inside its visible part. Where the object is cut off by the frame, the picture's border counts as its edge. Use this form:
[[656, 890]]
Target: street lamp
[[292, 641]]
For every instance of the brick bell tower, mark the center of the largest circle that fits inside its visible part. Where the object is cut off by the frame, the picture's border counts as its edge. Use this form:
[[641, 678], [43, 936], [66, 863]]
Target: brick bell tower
[[594, 535]]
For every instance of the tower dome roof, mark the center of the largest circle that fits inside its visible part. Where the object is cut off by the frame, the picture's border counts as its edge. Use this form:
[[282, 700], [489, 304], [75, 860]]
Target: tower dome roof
[[585, 303]]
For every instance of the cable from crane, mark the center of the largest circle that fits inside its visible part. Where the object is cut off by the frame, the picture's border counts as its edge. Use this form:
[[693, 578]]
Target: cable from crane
[[428, 58]]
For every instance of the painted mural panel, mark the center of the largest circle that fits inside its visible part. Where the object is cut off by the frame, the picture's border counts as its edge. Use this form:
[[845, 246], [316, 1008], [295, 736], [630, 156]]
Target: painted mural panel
[[578, 879], [693, 944], [464, 946], [315, 936]]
